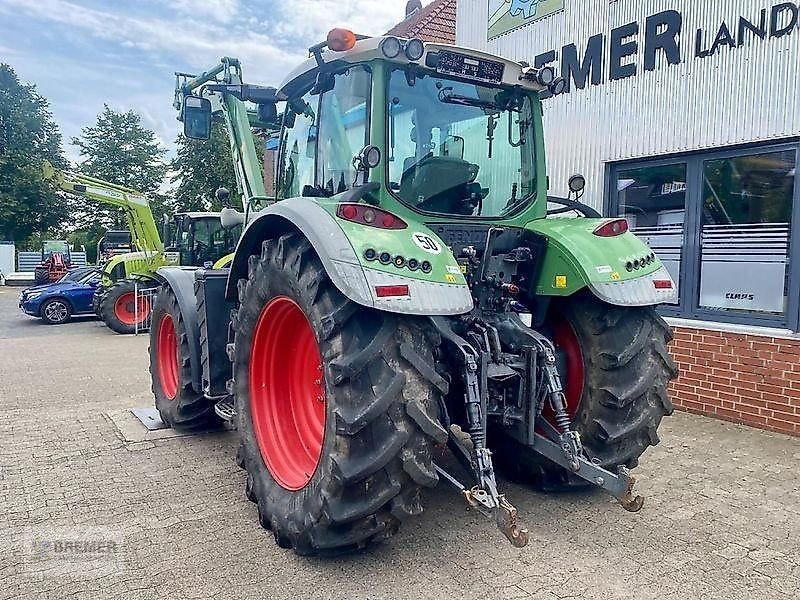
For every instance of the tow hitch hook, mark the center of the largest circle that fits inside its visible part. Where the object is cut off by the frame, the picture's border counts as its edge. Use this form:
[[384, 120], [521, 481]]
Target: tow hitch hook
[[504, 513], [505, 516], [628, 501]]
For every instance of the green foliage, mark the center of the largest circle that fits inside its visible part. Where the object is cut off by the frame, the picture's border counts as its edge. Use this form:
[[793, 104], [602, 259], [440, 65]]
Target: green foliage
[[117, 149], [203, 166], [28, 136]]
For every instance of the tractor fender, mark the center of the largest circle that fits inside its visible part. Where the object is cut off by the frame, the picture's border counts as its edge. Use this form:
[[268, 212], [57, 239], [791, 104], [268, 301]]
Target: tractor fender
[[181, 281], [576, 258], [341, 262]]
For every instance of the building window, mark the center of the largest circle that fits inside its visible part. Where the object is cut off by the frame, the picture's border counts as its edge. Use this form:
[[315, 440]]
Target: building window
[[653, 200], [722, 224]]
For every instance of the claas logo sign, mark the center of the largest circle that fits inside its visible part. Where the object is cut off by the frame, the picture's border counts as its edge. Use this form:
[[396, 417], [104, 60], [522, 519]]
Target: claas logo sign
[[505, 15]]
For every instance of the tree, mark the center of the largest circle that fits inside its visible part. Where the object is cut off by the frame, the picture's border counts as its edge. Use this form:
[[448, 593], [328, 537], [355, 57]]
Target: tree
[[120, 150], [203, 166], [29, 204]]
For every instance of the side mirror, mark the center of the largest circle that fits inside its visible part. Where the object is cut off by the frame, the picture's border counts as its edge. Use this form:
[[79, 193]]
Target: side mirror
[[268, 113], [196, 118], [453, 145]]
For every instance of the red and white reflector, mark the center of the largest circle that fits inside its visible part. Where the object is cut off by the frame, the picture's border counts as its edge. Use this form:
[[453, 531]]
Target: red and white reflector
[[388, 291], [662, 284], [612, 228]]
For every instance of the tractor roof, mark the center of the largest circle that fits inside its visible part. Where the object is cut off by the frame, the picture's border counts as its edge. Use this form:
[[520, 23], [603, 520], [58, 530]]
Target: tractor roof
[[368, 49]]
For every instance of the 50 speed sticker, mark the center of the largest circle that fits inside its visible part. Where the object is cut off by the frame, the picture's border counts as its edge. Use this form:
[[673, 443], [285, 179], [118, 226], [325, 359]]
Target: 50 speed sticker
[[426, 243]]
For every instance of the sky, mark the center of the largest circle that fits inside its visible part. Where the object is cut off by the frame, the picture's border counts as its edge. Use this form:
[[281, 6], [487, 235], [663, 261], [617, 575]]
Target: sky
[[83, 53]]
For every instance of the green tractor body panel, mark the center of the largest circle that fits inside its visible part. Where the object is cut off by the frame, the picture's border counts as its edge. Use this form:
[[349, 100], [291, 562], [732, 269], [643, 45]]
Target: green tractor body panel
[[576, 257]]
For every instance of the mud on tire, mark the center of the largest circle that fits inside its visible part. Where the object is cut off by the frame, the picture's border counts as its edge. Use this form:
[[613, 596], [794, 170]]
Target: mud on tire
[[626, 372], [170, 372], [381, 412]]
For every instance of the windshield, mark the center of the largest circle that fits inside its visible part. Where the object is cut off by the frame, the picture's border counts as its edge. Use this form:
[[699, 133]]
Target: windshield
[[89, 277], [55, 246], [459, 148], [212, 241]]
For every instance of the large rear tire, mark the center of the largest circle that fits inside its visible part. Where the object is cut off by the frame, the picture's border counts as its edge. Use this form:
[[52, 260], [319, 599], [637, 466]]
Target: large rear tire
[[119, 308], [170, 371], [336, 405], [41, 275], [615, 368]]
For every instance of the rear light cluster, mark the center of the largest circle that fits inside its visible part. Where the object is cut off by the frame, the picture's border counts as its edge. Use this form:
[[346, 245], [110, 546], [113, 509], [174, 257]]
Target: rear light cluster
[[369, 215], [662, 284], [398, 261], [612, 228], [633, 265]]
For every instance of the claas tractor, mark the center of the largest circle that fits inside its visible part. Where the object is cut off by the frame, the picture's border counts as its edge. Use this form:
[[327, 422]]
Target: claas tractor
[[404, 294], [56, 261], [122, 300]]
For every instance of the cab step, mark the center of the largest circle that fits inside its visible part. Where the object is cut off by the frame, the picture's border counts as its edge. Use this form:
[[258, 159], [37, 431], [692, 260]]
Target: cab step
[[225, 409]]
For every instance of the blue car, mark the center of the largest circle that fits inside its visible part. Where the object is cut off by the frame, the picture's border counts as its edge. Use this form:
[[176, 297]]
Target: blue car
[[56, 302]]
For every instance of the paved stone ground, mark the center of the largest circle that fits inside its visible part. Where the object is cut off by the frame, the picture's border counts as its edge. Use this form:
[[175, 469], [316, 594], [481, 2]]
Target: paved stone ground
[[722, 518]]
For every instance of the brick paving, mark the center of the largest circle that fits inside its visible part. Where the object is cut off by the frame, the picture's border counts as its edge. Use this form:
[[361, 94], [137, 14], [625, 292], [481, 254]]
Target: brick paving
[[722, 518]]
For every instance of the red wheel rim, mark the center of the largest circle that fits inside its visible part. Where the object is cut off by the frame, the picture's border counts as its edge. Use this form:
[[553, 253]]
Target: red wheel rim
[[167, 355], [125, 309], [567, 345], [287, 393]]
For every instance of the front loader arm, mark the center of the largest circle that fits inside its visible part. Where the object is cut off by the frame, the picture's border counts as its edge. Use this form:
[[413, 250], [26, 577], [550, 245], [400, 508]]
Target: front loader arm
[[138, 215], [223, 85]]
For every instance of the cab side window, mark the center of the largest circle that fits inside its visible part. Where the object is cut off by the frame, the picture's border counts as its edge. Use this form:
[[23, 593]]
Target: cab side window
[[343, 129], [298, 160]]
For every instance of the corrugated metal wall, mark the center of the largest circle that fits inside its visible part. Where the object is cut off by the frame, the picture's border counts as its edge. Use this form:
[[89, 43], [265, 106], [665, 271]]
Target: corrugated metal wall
[[747, 94], [28, 261]]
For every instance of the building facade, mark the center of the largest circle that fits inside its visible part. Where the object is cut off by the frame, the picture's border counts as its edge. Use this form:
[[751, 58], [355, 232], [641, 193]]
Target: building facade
[[684, 117]]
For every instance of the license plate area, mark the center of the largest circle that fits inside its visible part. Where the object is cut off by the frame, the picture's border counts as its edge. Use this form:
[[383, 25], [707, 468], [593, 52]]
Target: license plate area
[[469, 67]]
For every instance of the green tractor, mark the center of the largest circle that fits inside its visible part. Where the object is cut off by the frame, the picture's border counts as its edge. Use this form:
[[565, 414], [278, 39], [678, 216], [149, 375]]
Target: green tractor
[[189, 238], [404, 293]]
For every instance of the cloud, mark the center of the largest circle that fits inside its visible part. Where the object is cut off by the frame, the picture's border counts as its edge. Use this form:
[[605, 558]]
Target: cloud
[[83, 54]]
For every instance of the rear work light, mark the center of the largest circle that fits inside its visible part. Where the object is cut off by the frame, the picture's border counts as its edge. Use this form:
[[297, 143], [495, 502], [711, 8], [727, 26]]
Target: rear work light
[[612, 228], [366, 214], [387, 291], [662, 284]]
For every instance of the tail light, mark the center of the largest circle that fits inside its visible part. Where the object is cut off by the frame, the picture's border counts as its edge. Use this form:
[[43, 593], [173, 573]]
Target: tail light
[[366, 214], [612, 228], [662, 284], [340, 40]]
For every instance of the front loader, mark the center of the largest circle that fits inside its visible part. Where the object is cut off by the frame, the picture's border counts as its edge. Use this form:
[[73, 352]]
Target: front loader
[[56, 261], [404, 292], [122, 300]]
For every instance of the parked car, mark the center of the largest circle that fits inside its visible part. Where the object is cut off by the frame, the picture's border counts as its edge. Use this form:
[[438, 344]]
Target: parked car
[[75, 274], [55, 303]]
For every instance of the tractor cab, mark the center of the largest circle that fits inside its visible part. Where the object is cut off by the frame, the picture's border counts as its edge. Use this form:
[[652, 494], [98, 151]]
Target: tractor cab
[[198, 238], [51, 247]]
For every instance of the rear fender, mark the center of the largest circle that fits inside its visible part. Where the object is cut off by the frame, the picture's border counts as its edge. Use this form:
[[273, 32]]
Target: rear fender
[[181, 281], [576, 258], [442, 292]]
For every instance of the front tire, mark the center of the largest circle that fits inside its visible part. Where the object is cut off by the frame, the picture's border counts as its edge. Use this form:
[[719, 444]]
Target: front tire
[[615, 369], [121, 309], [335, 418], [170, 371], [56, 311]]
